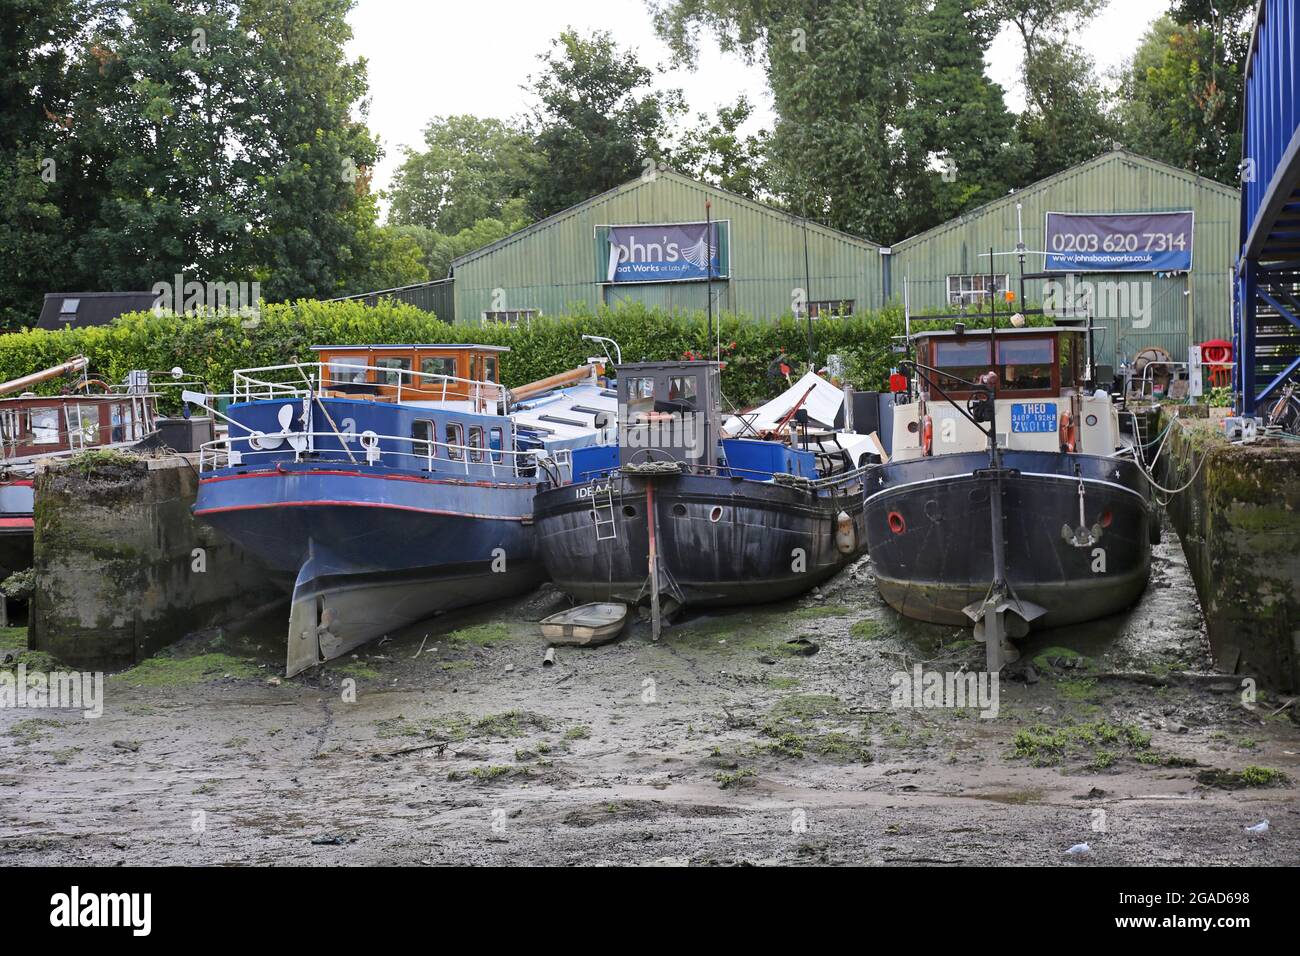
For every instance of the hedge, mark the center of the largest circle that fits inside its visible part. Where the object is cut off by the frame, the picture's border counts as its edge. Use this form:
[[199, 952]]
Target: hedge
[[209, 347]]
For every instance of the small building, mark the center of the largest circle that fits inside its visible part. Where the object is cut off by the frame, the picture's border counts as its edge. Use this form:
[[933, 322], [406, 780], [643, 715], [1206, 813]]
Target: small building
[[78, 309], [1146, 247], [650, 241]]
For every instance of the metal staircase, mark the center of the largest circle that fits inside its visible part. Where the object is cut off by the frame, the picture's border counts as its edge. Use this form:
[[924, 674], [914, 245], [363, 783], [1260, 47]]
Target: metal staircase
[[1266, 327]]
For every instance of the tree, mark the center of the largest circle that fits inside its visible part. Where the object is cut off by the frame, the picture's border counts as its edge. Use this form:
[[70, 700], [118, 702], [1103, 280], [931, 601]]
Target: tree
[[874, 98], [1065, 121], [437, 250], [38, 156], [312, 236], [714, 151], [221, 139], [1181, 94], [597, 123], [469, 169], [957, 124]]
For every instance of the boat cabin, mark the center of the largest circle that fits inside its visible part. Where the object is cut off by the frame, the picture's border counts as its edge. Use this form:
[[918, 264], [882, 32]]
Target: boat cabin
[[415, 374], [36, 425], [669, 411], [1041, 402]]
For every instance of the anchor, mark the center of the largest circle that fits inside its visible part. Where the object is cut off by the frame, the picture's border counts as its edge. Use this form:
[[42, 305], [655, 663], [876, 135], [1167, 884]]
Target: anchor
[[1082, 536]]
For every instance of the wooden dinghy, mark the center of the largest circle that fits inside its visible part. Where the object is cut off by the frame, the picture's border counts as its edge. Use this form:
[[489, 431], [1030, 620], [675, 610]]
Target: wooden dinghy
[[586, 625]]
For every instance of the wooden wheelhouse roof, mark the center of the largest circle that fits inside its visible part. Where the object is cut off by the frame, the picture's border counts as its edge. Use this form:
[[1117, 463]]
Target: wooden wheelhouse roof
[[453, 346]]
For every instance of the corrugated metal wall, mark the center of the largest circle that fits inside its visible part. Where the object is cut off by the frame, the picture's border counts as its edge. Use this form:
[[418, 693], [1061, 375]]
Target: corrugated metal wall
[[1115, 182], [555, 264], [436, 297]]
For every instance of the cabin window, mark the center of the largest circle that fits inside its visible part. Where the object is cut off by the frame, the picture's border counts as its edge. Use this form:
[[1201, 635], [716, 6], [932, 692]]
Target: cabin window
[[476, 443], [1068, 362], [489, 368], [422, 432], [683, 388], [117, 426], [438, 365], [640, 397], [497, 441], [455, 441], [960, 359], [393, 369], [1025, 365], [347, 371], [45, 426], [84, 420]]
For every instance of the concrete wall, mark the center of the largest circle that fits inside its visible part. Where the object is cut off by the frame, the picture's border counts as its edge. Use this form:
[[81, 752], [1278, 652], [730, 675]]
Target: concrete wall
[[1240, 526], [116, 572]]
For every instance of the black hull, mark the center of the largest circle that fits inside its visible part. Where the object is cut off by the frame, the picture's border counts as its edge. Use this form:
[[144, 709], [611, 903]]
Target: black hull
[[929, 532], [721, 541]]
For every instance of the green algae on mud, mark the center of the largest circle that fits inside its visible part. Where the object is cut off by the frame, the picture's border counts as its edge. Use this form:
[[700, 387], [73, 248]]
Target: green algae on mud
[[165, 670]]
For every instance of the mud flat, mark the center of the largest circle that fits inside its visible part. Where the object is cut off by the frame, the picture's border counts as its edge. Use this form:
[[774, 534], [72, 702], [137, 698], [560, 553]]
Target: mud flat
[[722, 744]]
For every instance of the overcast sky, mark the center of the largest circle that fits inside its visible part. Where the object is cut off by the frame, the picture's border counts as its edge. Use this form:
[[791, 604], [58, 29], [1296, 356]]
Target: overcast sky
[[429, 59]]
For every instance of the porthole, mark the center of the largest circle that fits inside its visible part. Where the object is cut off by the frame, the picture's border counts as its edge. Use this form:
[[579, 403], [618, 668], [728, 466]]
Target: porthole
[[716, 514], [629, 511], [896, 523], [679, 510], [1091, 421]]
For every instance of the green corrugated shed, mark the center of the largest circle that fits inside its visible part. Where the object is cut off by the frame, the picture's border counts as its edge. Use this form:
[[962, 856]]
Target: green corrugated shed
[[1115, 182], [559, 262]]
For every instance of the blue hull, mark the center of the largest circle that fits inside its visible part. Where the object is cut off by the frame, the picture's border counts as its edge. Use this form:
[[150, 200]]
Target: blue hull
[[373, 549]]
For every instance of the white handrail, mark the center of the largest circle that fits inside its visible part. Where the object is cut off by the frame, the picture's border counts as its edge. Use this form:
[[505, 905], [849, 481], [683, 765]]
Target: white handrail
[[321, 375], [216, 454]]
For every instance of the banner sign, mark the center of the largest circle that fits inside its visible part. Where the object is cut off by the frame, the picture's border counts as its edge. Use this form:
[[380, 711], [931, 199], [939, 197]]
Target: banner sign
[[663, 253], [1120, 242]]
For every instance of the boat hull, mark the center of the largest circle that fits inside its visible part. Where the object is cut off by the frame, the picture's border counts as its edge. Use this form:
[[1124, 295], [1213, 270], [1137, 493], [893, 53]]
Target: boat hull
[[721, 541], [929, 533], [371, 550]]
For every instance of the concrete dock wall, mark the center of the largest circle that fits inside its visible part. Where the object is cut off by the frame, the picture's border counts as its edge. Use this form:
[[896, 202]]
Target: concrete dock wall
[[1240, 525], [122, 568]]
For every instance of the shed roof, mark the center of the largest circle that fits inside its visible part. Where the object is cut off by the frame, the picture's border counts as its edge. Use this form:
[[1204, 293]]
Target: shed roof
[[650, 183]]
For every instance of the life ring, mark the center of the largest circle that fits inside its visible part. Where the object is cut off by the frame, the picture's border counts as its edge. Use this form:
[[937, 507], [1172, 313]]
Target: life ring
[[1069, 432], [1216, 355], [1216, 352], [927, 435]]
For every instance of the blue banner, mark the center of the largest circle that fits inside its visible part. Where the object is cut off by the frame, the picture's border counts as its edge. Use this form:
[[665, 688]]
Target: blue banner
[[1119, 242], [664, 253]]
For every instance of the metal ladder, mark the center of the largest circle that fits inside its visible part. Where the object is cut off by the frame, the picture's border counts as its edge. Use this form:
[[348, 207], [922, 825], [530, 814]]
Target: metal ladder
[[602, 511]]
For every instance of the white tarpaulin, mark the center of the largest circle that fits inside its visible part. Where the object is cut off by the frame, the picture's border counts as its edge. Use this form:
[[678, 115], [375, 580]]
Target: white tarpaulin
[[823, 404]]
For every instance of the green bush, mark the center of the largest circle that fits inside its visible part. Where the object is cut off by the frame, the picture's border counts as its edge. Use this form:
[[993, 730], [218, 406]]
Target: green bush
[[209, 347]]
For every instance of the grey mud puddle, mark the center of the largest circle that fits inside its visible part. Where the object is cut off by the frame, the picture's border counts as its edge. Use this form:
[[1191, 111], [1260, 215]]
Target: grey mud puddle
[[761, 735]]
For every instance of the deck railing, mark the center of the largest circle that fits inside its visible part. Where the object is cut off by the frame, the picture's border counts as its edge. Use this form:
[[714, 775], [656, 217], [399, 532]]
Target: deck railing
[[369, 448], [300, 379]]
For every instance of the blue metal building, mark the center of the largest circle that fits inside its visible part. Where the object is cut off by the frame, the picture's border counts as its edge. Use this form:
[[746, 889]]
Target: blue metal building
[[1267, 327]]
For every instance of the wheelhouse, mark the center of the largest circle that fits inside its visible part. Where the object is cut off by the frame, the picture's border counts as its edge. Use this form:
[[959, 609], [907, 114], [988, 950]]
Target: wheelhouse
[[414, 373], [1029, 363], [1036, 379], [32, 426]]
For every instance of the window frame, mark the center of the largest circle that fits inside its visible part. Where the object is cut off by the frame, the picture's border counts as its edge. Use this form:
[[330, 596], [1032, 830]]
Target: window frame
[[455, 432]]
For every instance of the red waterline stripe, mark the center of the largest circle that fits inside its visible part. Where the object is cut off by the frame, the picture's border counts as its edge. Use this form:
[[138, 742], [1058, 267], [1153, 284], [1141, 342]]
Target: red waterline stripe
[[16, 522], [361, 474], [358, 504]]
